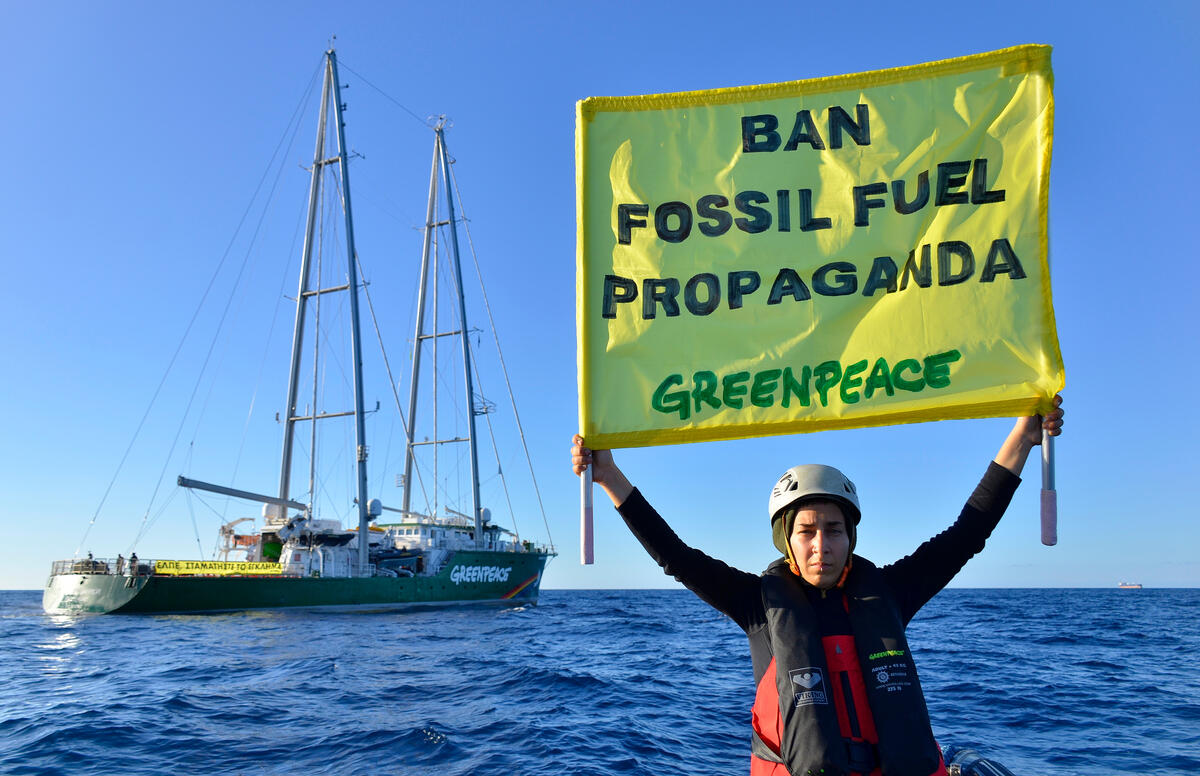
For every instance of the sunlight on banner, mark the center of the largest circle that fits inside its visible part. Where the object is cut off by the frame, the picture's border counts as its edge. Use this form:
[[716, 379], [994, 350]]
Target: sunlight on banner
[[850, 251]]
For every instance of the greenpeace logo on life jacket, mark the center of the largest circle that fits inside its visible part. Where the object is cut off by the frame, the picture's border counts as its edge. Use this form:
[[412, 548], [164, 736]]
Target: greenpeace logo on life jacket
[[809, 685], [460, 574]]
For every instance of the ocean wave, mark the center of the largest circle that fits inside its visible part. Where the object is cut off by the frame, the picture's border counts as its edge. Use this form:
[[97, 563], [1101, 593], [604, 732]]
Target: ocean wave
[[1054, 683]]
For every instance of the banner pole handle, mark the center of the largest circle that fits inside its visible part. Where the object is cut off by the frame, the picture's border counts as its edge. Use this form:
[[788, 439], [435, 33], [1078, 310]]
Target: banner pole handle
[[1049, 495], [587, 554]]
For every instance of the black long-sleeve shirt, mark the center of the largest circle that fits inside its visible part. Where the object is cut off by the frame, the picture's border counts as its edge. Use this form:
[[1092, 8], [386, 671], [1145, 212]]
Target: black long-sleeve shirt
[[912, 580]]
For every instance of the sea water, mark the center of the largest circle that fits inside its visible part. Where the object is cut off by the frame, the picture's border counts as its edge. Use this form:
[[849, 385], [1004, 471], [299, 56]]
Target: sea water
[[1047, 682]]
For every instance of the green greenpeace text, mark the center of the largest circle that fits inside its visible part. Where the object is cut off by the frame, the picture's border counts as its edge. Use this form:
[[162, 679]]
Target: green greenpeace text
[[825, 382]]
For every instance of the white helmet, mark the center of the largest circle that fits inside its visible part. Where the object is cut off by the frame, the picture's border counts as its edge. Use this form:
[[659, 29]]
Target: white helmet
[[809, 482]]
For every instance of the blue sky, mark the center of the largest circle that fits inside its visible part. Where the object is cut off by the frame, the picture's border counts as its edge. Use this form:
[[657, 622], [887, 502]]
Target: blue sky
[[137, 132]]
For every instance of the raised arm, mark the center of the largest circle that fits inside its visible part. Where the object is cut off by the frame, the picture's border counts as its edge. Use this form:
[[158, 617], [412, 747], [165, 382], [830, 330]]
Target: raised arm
[[728, 590], [918, 577], [1026, 434]]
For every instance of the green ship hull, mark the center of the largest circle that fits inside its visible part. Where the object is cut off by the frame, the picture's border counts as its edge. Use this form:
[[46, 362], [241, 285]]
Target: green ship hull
[[467, 577]]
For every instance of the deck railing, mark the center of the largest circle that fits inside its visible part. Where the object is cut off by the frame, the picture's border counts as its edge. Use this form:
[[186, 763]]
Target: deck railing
[[114, 566]]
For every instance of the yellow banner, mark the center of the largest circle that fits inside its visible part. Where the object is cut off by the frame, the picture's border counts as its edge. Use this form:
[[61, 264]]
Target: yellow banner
[[218, 568], [850, 251]]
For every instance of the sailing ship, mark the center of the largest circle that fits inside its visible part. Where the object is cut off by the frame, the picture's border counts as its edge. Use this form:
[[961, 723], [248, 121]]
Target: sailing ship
[[297, 558]]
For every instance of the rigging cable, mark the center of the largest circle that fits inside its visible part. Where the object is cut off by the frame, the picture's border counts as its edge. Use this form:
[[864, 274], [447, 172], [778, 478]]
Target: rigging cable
[[263, 359], [330, 352], [388, 368], [418, 119], [457, 410], [481, 408], [295, 124], [316, 353], [383, 352], [195, 528], [496, 451], [216, 335], [496, 335], [187, 330], [333, 354]]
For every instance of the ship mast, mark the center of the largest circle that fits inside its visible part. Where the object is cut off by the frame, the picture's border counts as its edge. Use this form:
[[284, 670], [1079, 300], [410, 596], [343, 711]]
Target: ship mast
[[331, 89], [441, 162]]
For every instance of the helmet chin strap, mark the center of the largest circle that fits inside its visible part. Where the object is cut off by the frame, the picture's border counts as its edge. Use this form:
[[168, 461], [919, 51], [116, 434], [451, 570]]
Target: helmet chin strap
[[795, 569], [845, 571]]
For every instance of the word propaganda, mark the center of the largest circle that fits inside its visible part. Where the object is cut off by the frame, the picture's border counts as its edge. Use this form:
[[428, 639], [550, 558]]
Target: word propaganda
[[702, 293]]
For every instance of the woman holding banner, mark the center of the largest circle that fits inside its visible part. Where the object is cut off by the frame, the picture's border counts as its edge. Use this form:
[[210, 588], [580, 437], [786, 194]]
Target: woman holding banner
[[837, 689]]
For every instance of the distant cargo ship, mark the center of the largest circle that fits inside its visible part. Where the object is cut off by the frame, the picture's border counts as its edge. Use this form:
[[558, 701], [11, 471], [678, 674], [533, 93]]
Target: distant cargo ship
[[1130, 585]]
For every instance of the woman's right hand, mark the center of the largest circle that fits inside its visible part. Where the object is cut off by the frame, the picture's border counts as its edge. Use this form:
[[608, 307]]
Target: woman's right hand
[[582, 457], [604, 469]]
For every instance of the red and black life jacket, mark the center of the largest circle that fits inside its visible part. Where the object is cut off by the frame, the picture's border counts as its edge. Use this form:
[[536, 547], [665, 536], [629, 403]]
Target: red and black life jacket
[[835, 705]]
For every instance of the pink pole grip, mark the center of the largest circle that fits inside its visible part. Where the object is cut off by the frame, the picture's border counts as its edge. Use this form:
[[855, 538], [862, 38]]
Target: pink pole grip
[[587, 553], [1049, 517], [1049, 494]]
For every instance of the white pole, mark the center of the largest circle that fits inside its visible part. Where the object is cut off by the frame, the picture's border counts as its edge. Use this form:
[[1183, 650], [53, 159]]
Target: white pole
[[586, 551], [1049, 495]]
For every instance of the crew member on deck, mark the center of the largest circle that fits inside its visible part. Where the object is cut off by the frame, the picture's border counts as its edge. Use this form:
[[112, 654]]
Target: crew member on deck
[[837, 688]]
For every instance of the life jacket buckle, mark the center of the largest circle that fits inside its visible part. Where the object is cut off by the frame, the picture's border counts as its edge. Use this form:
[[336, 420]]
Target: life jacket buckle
[[862, 756]]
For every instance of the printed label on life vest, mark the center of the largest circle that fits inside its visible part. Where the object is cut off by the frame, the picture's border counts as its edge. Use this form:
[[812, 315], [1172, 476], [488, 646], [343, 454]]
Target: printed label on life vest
[[809, 686], [891, 677]]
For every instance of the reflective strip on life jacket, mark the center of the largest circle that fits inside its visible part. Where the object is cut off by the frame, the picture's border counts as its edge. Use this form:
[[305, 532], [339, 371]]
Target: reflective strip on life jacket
[[767, 725], [855, 722]]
